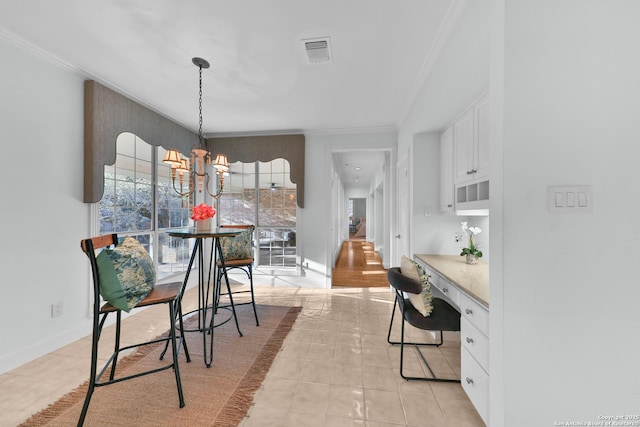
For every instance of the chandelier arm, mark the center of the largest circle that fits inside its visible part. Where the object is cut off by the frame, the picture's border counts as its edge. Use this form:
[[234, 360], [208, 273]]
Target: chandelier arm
[[218, 193], [180, 192]]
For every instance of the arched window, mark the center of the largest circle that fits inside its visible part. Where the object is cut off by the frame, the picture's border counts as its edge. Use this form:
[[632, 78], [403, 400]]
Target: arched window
[[132, 185]]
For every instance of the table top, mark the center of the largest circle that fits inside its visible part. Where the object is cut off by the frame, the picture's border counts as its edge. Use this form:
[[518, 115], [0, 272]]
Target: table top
[[190, 232], [472, 279]]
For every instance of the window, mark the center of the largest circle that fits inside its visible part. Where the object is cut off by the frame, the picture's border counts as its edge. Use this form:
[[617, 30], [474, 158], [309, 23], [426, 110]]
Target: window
[[262, 194], [128, 207]]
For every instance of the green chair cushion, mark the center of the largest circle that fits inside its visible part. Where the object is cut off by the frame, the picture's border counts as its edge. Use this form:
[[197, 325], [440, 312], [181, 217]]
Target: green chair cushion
[[126, 274]]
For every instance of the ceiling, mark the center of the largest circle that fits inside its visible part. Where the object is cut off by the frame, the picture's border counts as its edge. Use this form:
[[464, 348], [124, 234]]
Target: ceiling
[[260, 80], [358, 168]]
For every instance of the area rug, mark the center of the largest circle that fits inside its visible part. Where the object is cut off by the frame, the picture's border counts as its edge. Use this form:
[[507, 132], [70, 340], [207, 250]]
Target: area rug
[[217, 396]]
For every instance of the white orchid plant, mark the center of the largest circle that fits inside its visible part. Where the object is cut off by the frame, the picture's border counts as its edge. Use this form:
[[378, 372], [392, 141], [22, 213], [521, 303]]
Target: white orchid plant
[[472, 249]]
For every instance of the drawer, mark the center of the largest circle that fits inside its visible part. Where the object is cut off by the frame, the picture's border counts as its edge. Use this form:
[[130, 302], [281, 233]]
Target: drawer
[[475, 382], [475, 342], [475, 313], [444, 289], [451, 292]]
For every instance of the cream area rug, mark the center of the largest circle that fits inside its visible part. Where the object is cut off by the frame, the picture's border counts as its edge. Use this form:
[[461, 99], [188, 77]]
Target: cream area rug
[[217, 396]]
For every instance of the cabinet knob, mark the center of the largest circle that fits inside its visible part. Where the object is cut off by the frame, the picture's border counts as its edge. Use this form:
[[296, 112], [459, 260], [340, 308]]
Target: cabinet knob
[[469, 340], [445, 290], [449, 206], [468, 311], [469, 380]]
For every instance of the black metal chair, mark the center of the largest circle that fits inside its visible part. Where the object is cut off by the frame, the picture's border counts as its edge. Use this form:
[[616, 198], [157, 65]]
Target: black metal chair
[[442, 318], [169, 294], [238, 254]]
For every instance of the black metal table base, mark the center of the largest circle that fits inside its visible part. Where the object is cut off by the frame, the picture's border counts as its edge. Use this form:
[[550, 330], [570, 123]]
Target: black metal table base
[[207, 296]]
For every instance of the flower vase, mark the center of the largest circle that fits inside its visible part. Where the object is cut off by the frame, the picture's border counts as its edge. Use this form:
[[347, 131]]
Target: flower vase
[[203, 225], [472, 259]]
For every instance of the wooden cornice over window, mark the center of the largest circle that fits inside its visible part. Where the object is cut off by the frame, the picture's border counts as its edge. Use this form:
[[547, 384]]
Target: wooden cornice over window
[[249, 149], [107, 114]]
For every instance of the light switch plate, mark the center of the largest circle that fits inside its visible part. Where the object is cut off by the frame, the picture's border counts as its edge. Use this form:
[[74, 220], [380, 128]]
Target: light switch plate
[[570, 198]]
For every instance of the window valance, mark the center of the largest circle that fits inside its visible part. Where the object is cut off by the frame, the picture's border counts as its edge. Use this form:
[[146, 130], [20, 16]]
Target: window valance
[[107, 114], [249, 149]]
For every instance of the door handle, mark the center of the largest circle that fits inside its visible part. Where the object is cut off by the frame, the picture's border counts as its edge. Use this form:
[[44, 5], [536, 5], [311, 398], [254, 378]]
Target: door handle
[[398, 236]]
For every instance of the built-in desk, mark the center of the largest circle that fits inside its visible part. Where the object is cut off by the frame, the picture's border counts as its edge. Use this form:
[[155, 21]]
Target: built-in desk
[[466, 287]]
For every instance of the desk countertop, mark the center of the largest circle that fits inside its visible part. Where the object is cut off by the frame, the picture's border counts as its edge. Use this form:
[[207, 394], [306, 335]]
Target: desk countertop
[[472, 279]]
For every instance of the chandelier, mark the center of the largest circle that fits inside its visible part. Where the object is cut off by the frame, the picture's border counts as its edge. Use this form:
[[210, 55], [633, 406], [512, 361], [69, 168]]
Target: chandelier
[[195, 167]]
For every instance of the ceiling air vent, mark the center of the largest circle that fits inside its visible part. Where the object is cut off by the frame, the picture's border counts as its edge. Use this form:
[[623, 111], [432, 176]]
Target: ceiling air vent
[[318, 50]]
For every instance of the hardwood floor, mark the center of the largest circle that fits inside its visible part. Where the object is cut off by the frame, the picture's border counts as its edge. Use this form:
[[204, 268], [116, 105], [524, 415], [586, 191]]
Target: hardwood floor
[[358, 265]]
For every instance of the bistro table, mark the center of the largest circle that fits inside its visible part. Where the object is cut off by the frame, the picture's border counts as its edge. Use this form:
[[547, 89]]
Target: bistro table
[[207, 292]]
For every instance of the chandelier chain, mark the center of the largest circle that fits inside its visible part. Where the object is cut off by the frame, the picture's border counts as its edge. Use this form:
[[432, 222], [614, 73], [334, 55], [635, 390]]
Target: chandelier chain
[[200, 156], [200, 109]]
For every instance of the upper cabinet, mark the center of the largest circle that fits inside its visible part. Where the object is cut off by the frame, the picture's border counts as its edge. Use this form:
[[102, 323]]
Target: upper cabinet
[[446, 171], [463, 148], [471, 143], [481, 132], [464, 151]]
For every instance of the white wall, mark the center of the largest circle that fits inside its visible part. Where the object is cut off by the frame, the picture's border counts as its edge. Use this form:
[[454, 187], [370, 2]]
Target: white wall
[[41, 129], [568, 287], [434, 232]]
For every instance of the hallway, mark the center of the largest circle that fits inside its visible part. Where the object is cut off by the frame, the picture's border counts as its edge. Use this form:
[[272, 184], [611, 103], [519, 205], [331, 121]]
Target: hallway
[[358, 265]]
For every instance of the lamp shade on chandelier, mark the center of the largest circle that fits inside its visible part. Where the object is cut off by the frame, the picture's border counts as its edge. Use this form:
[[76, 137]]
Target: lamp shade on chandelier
[[195, 168]]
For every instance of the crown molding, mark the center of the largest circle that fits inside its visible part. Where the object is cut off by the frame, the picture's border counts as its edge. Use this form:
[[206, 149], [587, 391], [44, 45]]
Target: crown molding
[[446, 28]]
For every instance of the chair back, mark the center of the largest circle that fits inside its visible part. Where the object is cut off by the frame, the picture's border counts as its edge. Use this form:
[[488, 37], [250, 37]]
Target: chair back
[[403, 283], [89, 247]]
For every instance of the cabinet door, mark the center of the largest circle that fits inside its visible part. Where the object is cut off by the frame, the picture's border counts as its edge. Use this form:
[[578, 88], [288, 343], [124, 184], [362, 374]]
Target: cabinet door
[[446, 171], [475, 382], [463, 147], [481, 113]]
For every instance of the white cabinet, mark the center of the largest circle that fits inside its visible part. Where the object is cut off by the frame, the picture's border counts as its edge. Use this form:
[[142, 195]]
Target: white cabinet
[[471, 143], [475, 382], [443, 288], [481, 122], [446, 171], [463, 147], [466, 289], [474, 336], [471, 156]]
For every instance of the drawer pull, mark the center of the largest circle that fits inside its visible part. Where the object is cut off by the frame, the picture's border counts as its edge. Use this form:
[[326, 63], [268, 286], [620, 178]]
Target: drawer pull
[[468, 311], [445, 290], [469, 340], [469, 380]]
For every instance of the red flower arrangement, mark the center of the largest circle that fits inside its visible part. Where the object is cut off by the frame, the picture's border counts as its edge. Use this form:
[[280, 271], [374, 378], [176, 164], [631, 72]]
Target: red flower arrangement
[[202, 211]]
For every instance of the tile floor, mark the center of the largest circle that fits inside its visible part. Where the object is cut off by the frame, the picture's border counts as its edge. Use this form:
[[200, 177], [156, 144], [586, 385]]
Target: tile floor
[[335, 368]]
